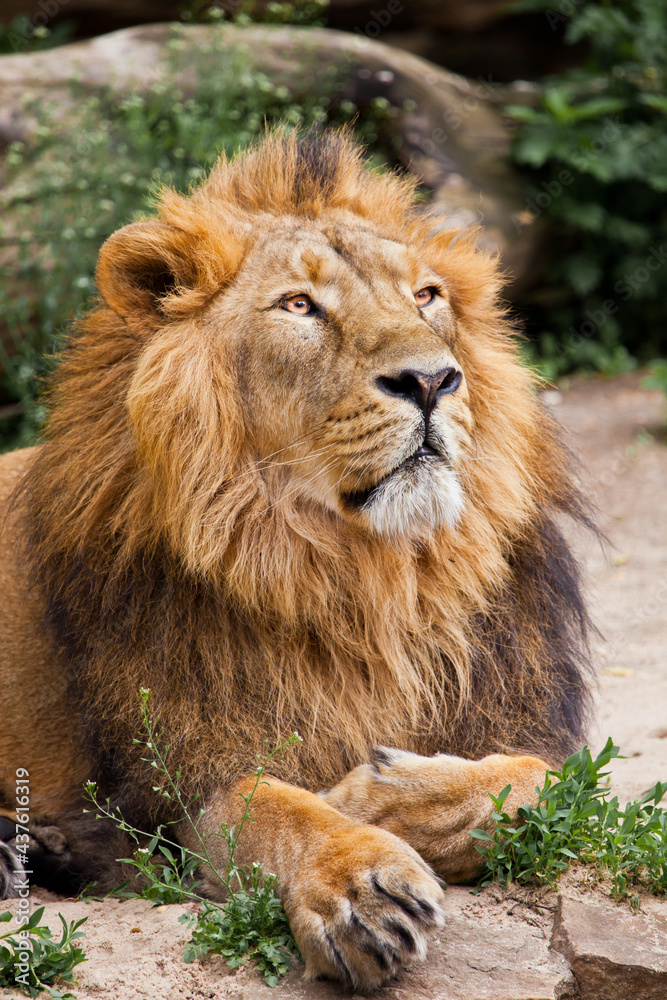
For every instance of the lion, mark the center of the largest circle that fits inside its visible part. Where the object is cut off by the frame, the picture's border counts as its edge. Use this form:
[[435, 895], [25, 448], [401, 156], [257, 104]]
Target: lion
[[295, 478]]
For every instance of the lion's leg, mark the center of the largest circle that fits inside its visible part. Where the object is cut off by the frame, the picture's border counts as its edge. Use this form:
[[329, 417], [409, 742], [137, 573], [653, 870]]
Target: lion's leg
[[360, 901], [11, 869], [65, 853], [432, 802]]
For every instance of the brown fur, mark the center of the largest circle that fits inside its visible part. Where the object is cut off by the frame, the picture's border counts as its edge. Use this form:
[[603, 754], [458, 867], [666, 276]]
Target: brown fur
[[189, 523]]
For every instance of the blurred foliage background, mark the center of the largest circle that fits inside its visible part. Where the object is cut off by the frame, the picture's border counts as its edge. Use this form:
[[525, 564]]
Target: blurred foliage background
[[592, 151], [594, 154]]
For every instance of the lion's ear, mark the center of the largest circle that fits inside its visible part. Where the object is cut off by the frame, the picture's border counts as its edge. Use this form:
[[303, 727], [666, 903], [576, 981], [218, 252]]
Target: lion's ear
[[144, 265]]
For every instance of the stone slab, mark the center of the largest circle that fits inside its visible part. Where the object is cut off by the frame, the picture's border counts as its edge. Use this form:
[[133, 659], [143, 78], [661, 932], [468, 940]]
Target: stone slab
[[614, 954]]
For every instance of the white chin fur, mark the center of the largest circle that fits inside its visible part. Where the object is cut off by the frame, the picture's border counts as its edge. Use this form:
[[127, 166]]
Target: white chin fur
[[416, 502]]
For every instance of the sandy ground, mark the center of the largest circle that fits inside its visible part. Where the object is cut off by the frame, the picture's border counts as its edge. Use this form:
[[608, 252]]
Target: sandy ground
[[618, 430], [495, 945]]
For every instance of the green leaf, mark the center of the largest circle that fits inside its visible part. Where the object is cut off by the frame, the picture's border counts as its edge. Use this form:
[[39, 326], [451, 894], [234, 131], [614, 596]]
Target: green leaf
[[522, 112], [656, 101], [584, 273], [597, 108]]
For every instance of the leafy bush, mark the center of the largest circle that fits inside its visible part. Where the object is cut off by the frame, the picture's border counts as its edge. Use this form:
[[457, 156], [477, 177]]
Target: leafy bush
[[167, 876], [82, 177], [305, 12], [576, 820], [251, 925], [597, 152], [21, 35], [50, 961]]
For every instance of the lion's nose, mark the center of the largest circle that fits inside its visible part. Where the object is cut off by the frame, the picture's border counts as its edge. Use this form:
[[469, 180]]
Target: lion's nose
[[423, 388]]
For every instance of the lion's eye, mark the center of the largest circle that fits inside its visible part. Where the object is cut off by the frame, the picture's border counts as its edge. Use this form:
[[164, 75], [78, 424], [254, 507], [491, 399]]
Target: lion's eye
[[300, 305], [424, 296]]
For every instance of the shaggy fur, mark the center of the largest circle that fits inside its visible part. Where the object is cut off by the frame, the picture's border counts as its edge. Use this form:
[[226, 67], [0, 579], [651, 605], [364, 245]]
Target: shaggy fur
[[174, 552]]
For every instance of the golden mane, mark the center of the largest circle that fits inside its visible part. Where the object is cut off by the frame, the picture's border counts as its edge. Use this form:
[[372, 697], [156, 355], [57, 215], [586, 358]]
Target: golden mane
[[164, 565]]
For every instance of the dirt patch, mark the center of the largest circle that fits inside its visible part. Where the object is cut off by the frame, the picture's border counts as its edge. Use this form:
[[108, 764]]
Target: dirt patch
[[495, 945], [618, 430]]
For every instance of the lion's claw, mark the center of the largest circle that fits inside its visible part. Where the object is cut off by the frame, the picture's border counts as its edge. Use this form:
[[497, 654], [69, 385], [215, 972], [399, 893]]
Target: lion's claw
[[376, 920]]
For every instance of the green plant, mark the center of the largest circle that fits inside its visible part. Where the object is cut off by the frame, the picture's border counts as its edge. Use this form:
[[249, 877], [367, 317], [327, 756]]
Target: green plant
[[83, 175], [251, 924], [306, 12], [576, 820], [32, 961], [22, 35], [595, 155], [165, 877]]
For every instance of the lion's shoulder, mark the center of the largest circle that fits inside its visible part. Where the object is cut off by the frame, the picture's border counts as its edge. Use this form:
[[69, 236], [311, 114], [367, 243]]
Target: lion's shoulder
[[13, 466]]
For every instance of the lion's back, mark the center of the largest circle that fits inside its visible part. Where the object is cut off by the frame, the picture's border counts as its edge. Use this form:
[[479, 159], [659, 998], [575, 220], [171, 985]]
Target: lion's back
[[36, 731], [16, 614]]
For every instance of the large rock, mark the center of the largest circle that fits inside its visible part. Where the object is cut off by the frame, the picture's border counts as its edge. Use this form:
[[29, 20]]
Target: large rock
[[452, 133], [489, 36], [493, 948], [613, 953]]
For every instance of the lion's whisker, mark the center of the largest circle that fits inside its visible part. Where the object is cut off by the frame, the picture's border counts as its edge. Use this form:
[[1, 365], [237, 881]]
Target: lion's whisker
[[263, 463], [285, 496], [344, 472]]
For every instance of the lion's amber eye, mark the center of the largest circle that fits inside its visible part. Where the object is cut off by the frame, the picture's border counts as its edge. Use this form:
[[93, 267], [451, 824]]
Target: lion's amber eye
[[300, 305], [424, 297]]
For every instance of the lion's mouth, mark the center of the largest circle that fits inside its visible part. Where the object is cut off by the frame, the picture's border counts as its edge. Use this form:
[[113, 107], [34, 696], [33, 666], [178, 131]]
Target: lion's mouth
[[423, 455]]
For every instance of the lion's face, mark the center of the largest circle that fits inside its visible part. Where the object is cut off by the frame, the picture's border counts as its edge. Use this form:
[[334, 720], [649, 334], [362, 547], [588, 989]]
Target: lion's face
[[345, 344]]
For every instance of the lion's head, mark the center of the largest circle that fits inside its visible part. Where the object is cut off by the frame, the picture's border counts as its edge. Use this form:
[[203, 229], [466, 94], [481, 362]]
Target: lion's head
[[341, 341], [294, 461], [304, 329]]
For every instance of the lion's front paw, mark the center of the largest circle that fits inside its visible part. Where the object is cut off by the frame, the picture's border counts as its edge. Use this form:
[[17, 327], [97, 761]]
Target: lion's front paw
[[433, 802], [362, 907]]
